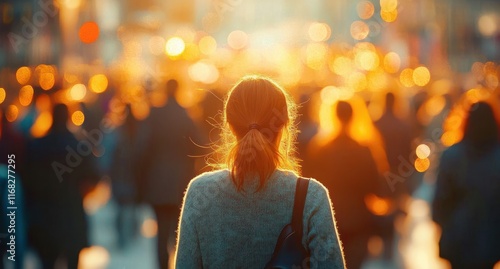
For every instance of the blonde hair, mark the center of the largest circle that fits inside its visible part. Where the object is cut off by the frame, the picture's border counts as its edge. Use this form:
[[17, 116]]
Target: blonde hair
[[258, 131]]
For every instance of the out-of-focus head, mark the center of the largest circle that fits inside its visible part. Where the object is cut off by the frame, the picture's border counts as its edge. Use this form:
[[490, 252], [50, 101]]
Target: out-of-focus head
[[258, 115], [389, 101], [172, 87], [344, 112], [481, 128], [59, 117]]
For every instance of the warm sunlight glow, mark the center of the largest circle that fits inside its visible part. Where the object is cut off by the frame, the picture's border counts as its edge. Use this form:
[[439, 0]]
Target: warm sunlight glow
[[175, 46]]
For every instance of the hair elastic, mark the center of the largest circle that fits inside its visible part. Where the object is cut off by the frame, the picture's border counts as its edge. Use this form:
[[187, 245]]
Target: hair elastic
[[253, 126]]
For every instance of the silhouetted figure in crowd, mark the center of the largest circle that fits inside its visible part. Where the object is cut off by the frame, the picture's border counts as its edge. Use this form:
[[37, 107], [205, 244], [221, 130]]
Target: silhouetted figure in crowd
[[168, 165], [466, 200], [396, 135], [60, 171], [124, 174], [348, 171]]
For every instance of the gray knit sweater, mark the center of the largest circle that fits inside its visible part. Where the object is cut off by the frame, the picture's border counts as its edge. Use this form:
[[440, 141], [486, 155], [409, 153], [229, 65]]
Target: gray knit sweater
[[223, 228]]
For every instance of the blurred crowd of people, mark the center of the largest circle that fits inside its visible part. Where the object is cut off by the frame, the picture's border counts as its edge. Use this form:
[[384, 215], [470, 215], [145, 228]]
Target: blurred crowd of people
[[369, 167]]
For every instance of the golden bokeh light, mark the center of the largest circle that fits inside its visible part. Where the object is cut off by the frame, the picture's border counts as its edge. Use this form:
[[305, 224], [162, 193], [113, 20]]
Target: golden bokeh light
[[319, 32], [421, 76], [388, 5], [392, 62], [69, 4], [451, 137], [2, 95], [46, 81], [316, 55], [204, 72], [406, 77], [207, 45], [357, 81], [89, 32], [149, 228], [11, 113], [191, 52], [377, 205], [421, 165], [77, 118], [342, 66], [423, 151], [487, 24], [43, 102], [42, 124], [367, 60], [97, 197], [98, 83], [26, 95], [237, 40], [359, 30], [156, 45], [93, 257], [365, 9], [329, 95], [23, 75], [377, 81], [78, 92], [389, 16], [140, 110], [175, 46]]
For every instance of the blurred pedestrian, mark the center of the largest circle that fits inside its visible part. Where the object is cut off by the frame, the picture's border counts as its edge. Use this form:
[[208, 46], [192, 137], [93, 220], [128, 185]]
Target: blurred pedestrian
[[231, 218], [467, 189], [124, 173], [60, 171], [396, 135], [167, 166], [349, 172]]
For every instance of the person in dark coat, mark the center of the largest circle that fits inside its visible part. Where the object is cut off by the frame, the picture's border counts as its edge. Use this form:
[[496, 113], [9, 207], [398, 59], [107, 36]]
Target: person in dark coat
[[466, 200], [59, 171], [348, 171], [124, 179], [396, 135], [168, 165]]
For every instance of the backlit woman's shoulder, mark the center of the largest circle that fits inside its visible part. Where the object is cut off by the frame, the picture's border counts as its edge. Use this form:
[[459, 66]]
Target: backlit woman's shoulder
[[209, 178]]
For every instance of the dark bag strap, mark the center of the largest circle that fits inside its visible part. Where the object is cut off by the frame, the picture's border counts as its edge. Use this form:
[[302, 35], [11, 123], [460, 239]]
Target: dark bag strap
[[298, 205]]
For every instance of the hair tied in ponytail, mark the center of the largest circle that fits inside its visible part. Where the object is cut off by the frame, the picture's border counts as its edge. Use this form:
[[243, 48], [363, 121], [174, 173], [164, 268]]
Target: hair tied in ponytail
[[253, 126]]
